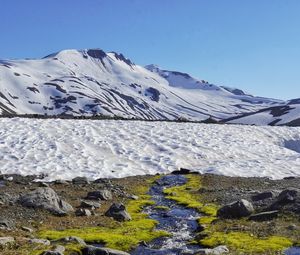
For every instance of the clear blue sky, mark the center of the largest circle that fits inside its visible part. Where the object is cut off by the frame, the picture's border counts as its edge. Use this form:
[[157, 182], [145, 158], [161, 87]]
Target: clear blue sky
[[250, 44]]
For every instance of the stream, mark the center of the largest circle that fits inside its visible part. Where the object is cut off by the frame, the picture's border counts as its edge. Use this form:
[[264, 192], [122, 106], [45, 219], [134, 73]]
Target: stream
[[180, 221]]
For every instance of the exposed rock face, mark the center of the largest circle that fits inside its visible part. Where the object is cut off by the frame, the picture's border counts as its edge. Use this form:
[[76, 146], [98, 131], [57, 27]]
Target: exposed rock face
[[118, 212], [6, 224], [215, 251], [90, 204], [100, 195], [237, 209], [59, 250], [46, 198], [91, 250]]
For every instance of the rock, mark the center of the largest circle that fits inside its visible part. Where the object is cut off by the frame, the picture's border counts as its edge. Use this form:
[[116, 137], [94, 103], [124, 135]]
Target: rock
[[264, 216], [7, 240], [61, 182], [70, 239], [90, 204], [40, 241], [83, 212], [183, 171], [99, 195], [287, 196], [118, 212], [27, 229], [43, 184], [262, 196], [91, 250], [215, 251], [5, 224], [80, 180], [134, 197], [292, 227], [46, 198], [59, 250], [237, 209]]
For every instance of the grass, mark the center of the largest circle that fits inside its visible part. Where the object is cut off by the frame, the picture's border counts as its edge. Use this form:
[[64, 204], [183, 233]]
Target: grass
[[122, 236]]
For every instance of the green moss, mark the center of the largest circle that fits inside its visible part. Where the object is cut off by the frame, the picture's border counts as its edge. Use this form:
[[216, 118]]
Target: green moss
[[188, 196], [161, 207], [206, 220], [123, 236], [244, 242]]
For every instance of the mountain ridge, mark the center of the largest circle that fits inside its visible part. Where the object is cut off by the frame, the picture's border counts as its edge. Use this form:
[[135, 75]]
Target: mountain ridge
[[94, 82]]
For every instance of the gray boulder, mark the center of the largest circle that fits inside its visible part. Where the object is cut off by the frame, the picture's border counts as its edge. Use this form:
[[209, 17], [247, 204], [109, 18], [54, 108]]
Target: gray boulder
[[118, 212], [59, 250], [39, 241], [46, 198], [237, 209], [92, 250], [83, 212], [99, 195], [6, 224], [70, 239], [90, 204], [286, 197]]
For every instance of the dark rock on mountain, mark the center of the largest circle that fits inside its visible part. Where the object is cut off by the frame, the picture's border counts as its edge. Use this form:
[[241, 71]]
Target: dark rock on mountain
[[118, 212], [237, 209]]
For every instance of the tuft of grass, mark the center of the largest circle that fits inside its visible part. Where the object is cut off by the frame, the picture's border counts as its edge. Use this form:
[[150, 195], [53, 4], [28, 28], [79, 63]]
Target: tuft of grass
[[161, 207]]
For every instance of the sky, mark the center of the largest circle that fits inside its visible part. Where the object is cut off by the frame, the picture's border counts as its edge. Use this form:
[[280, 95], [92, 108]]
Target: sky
[[253, 45]]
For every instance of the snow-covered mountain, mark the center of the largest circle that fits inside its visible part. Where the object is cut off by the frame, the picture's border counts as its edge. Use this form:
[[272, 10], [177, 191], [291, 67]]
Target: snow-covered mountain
[[287, 115], [88, 82]]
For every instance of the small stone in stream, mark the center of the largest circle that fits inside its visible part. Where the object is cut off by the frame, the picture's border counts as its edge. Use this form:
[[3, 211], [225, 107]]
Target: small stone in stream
[[59, 250], [90, 204], [118, 212], [27, 229], [46, 198], [92, 250], [99, 195], [40, 241], [80, 180], [222, 249], [134, 197], [70, 239], [262, 196], [237, 209], [83, 212], [7, 240], [264, 216]]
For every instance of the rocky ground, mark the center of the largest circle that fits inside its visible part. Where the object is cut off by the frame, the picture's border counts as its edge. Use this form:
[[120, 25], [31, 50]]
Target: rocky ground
[[30, 209]]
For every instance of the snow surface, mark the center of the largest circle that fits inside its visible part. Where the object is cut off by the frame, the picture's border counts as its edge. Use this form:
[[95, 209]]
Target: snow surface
[[64, 149]]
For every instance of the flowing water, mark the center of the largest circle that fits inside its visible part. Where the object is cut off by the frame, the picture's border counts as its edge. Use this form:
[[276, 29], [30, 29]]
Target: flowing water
[[180, 221]]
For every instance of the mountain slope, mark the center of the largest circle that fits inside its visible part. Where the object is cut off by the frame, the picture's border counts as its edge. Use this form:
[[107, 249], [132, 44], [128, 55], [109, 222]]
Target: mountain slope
[[88, 82], [287, 115]]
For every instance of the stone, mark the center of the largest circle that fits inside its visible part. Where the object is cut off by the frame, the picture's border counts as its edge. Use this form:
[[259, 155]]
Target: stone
[[92, 250], [80, 180], [262, 196], [264, 216], [59, 250], [27, 229], [61, 182], [83, 212], [287, 196], [70, 239], [118, 212], [99, 195], [134, 197], [40, 241], [222, 249], [237, 209], [90, 204], [5, 224], [7, 240], [43, 184], [46, 198]]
